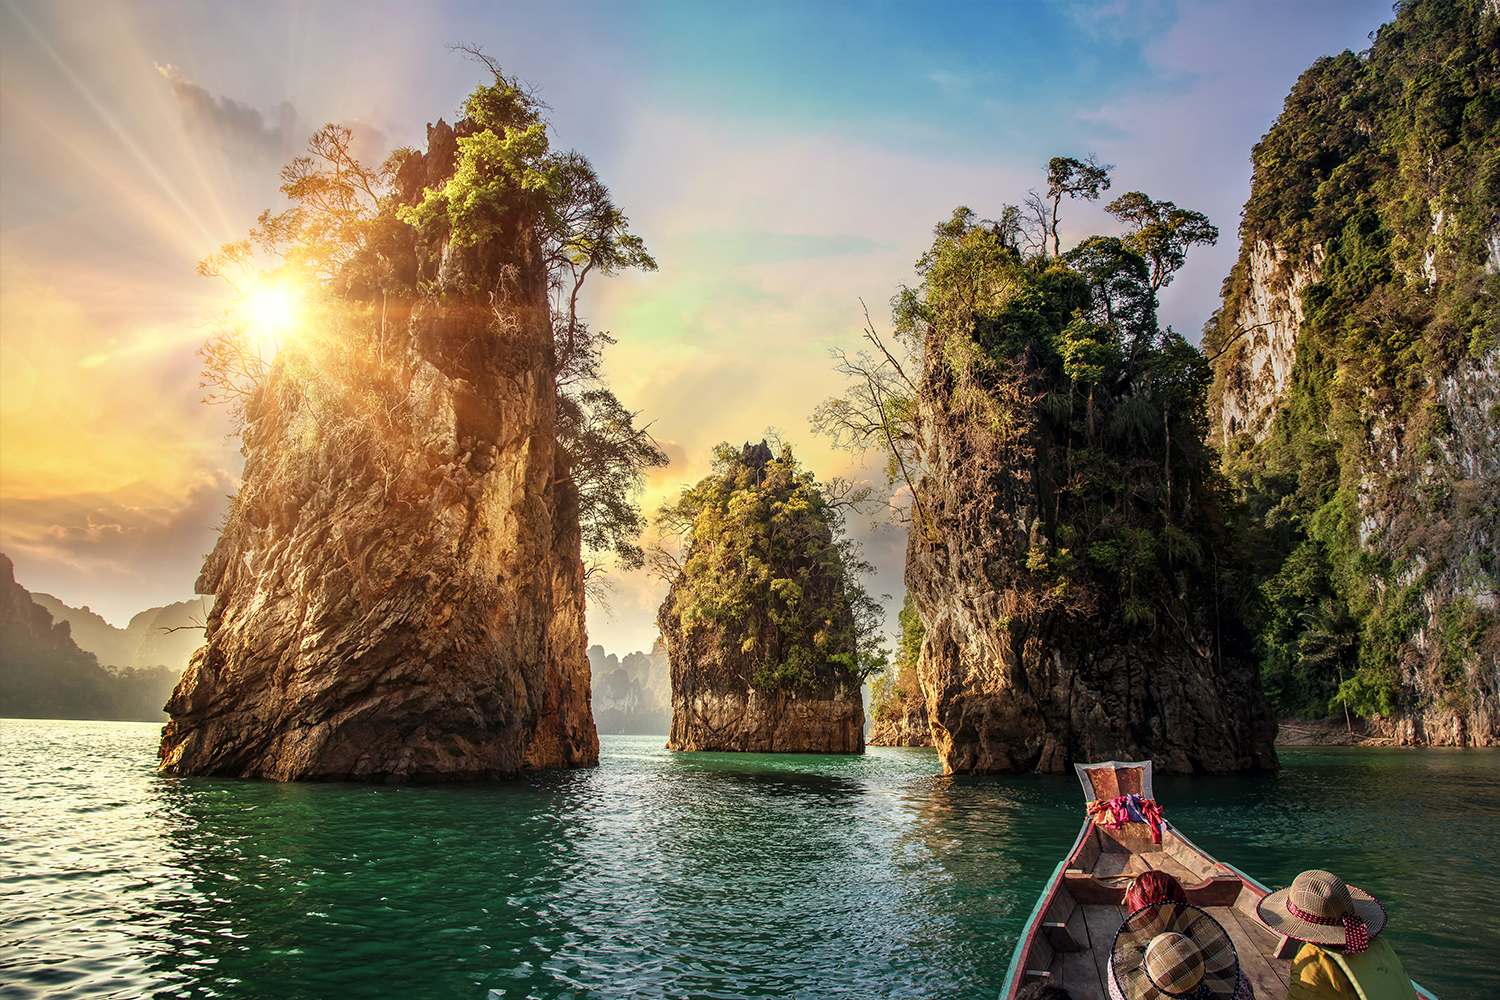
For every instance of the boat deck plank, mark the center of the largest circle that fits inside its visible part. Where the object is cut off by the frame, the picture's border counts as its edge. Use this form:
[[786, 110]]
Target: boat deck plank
[[1162, 861], [1113, 863], [1102, 921], [1079, 976], [1253, 945]]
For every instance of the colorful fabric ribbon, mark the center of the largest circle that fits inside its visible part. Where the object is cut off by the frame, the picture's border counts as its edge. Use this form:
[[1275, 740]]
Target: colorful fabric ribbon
[[1116, 812]]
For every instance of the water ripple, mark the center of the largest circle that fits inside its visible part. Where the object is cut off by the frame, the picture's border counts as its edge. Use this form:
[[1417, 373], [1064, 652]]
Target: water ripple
[[657, 874]]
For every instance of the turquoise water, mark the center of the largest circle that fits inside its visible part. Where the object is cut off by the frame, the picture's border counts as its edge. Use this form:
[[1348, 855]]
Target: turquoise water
[[659, 874]]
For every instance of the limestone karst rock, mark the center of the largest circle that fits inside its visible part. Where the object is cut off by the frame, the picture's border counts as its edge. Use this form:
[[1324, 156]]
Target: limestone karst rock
[[399, 589], [905, 728], [750, 670], [1066, 524], [1016, 681], [1357, 381]]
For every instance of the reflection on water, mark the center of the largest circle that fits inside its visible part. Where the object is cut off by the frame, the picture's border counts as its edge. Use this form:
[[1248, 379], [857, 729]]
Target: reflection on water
[[657, 874]]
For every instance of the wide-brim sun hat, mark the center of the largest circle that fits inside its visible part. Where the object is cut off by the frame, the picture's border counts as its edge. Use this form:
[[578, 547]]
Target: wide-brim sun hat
[[1173, 951], [1321, 908]]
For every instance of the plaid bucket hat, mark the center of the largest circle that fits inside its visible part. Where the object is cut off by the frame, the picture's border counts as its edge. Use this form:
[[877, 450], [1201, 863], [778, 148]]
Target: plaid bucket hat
[[1173, 951], [1320, 907]]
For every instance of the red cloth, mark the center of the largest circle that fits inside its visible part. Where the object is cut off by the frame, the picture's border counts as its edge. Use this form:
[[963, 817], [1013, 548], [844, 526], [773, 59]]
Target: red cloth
[[1116, 812]]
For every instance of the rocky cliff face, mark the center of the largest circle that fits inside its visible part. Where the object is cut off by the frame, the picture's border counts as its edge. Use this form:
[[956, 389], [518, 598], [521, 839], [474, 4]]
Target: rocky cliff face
[[753, 673], [1018, 679], [399, 591], [715, 707], [906, 728], [1432, 507], [1363, 428], [1258, 364]]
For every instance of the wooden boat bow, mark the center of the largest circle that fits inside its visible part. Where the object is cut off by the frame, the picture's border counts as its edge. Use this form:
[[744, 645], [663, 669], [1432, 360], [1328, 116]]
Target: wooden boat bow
[[1068, 938]]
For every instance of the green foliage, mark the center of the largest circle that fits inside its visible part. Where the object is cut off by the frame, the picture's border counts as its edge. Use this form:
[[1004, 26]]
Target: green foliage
[[1161, 232], [1089, 351], [1086, 179], [764, 575], [1062, 358], [494, 172], [893, 690], [1383, 171]]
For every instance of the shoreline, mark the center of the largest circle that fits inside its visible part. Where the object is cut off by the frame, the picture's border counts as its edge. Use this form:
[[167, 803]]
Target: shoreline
[[1332, 732]]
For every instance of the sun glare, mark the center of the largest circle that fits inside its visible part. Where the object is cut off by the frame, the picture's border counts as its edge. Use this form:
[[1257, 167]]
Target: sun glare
[[271, 308], [272, 314]]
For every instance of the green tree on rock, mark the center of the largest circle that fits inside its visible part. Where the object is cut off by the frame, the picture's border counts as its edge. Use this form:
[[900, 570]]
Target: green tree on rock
[[763, 578], [346, 250]]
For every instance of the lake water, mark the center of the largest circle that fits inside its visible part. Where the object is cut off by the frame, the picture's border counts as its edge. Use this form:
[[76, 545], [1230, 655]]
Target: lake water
[[660, 874]]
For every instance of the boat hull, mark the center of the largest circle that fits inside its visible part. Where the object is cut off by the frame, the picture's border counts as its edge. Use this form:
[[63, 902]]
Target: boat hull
[[1069, 936]]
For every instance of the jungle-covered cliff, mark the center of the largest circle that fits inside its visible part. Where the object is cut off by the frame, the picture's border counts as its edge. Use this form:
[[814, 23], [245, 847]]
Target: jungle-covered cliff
[[399, 586], [1356, 386], [767, 629], [44, 674], [1071, 550]]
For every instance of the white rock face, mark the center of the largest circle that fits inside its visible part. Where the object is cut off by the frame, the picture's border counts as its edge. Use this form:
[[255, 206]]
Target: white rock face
[[1258, 367]]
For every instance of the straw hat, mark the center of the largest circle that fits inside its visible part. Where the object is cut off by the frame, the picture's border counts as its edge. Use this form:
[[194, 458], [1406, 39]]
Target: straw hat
[[1173, 950], [1319, 907]]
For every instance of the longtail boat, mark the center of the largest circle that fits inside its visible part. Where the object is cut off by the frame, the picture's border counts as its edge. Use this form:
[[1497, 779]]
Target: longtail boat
[[1068, 938]]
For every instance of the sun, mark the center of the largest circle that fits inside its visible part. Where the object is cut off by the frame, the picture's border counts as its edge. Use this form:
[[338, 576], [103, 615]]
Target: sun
[[272, 314], [271, 309]]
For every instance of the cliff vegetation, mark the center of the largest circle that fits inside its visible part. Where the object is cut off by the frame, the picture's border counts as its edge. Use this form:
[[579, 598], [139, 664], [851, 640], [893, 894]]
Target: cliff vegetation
[[1357, 380], [1071, 550], [769, 632]]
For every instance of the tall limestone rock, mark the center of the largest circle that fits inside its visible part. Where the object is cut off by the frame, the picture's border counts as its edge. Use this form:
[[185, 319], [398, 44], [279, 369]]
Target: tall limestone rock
[[903, 724], [758, 623], [1017, 680], [399, 590], [1068, 550], [1357, 380]]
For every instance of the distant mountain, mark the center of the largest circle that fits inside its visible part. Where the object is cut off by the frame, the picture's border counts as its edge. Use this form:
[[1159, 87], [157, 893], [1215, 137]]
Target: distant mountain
[[164, 636], [633, 695], [44, 674]]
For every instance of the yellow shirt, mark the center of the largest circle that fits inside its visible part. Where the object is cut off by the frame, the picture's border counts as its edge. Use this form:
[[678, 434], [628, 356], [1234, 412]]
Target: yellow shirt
[[1323, 975], [1316, 976]]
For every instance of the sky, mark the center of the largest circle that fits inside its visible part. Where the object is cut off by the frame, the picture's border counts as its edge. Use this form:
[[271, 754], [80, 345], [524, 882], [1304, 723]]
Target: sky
[[784, 162]]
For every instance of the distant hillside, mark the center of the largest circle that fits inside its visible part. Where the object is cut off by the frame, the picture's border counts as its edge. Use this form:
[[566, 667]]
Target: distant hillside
[[633, 695], [149, 639], [45, 675]]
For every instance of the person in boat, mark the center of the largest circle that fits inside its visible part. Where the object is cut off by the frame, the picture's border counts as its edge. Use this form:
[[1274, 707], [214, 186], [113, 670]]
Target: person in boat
[[1339, 926], [1153, 887], [1175, 951]]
